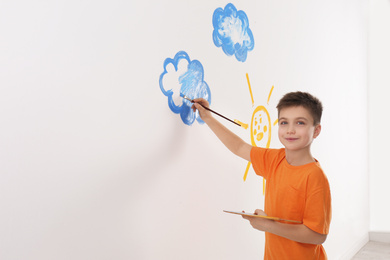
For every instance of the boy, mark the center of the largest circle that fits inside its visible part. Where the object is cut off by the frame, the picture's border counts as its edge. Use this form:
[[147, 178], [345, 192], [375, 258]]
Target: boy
[[296, 187]]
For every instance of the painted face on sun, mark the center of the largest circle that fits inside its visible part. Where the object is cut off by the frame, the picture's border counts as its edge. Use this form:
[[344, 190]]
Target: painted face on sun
[[261, 127]]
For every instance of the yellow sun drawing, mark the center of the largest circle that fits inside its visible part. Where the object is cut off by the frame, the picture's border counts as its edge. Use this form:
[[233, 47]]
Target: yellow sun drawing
[[260, 127]]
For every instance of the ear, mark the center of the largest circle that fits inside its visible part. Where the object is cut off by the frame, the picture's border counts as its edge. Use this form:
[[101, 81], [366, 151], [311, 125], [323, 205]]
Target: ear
[[317, 130]]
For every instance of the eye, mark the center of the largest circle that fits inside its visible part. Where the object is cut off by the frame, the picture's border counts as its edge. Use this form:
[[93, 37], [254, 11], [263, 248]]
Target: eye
[[282, 123], [301, 123]]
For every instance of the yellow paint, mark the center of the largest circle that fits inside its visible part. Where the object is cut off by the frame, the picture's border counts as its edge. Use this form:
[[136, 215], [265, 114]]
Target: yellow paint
[[269, 95], [258, 123], [246, 171], [276, 122], [260, 136], [258, 114], [250, 89], [241, 123]]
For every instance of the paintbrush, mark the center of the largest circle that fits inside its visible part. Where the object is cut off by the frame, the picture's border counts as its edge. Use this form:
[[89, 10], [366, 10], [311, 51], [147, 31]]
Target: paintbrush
[[192, 101]]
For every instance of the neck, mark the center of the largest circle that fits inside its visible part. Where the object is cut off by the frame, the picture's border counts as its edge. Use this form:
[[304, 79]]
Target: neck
[[298, 158]]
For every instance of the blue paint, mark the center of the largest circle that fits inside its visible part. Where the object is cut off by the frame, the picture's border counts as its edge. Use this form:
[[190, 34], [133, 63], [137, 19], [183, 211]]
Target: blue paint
[[232, 32], [192, 85]]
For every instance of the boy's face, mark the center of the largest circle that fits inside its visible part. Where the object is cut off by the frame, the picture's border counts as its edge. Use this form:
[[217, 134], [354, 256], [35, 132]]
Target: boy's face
[[296, 128]]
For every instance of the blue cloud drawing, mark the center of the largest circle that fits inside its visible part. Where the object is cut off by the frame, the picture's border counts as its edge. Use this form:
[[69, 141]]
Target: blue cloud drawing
[[192, 85], [232, 33]]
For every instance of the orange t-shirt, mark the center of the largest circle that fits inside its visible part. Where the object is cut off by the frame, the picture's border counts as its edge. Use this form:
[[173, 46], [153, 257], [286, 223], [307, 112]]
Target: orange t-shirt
[[299, 193]]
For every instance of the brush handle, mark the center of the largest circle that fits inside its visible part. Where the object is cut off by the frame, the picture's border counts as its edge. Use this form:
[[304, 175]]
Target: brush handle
[[219, 114]]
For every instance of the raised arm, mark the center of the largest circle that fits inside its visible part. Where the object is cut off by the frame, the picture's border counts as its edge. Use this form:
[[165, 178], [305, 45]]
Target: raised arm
[[234, 143]]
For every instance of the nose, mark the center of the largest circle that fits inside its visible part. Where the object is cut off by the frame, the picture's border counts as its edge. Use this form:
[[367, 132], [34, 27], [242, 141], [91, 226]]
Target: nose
[[291, 129]]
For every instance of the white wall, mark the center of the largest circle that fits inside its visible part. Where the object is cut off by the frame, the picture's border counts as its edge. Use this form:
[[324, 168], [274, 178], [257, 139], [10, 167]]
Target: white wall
[[379, 91], [94, 165]]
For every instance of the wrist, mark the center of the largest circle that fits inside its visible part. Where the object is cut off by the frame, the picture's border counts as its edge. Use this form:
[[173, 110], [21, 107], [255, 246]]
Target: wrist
[[271, 226], [209, 119]]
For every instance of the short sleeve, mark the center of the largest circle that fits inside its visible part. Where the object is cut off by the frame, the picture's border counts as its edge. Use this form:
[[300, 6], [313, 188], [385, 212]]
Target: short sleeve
[[264, 159], [318, 213]]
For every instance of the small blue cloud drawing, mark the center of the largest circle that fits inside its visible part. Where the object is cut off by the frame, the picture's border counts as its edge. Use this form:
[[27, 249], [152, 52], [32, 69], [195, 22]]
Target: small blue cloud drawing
[[232, 32], [192, 85]]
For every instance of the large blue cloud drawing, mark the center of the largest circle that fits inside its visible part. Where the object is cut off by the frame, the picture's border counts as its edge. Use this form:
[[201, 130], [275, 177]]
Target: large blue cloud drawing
[[232, 33], [192, 85]]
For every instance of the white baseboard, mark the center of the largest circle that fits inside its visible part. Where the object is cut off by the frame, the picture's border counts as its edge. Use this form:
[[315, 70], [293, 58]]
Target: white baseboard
[[383, 237], [356, 248]]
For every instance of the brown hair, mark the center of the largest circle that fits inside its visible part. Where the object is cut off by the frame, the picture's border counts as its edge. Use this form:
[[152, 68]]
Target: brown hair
[[304, 99]]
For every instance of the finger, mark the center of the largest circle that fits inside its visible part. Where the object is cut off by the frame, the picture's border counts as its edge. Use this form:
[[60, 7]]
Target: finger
[[201, 101], [260, 212], [196, 100], [196, 106]]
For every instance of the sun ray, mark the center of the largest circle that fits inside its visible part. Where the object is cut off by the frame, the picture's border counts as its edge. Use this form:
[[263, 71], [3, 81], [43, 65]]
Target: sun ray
[[250, 89], [269, 96], [276, 122], [246, 171]]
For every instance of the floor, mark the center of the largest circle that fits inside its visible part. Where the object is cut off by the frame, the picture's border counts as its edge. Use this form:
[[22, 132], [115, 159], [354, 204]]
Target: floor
[[374, 251]]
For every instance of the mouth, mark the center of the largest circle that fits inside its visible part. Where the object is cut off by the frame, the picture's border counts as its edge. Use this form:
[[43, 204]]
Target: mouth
[[290, 139]]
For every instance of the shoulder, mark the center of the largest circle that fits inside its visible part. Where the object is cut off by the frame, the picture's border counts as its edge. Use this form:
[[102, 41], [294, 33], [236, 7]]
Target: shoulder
[[267, 152], [317, 171], [265, 160], [316, 177]]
